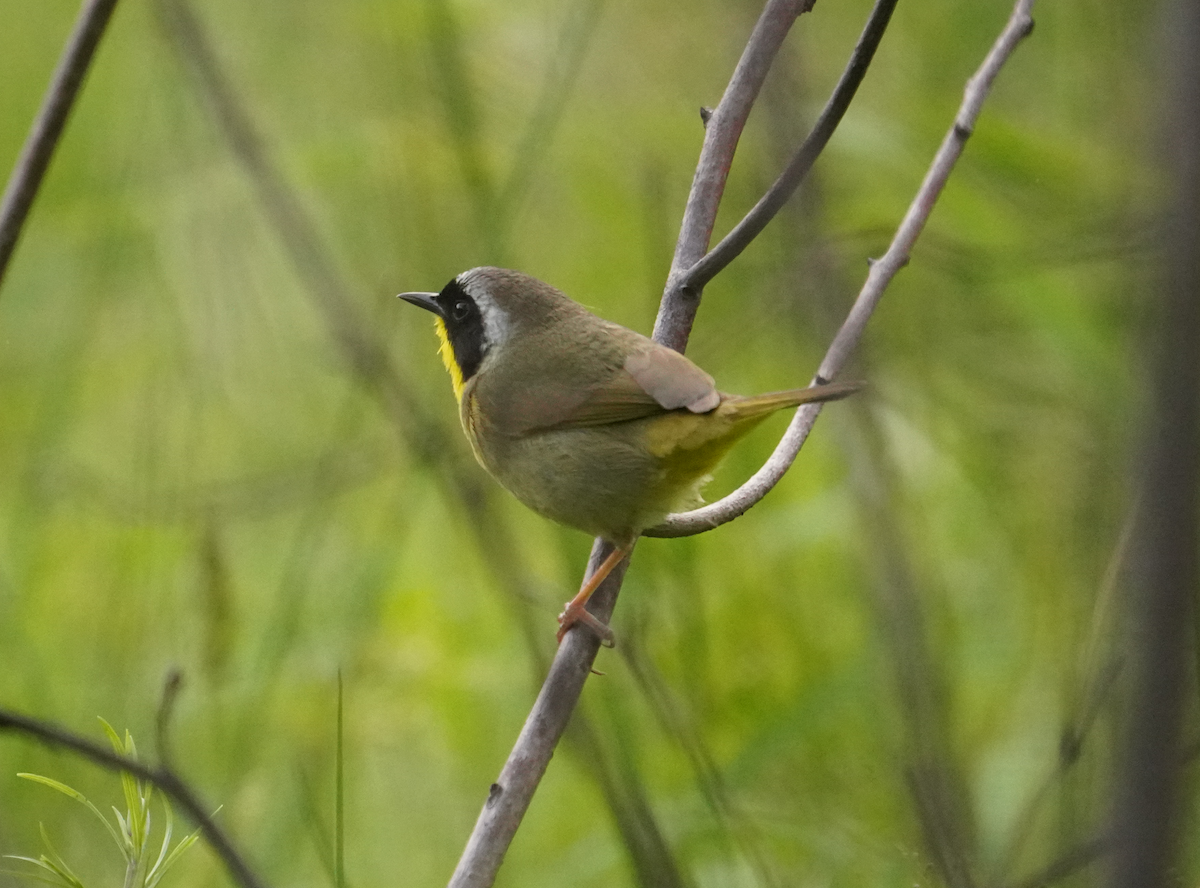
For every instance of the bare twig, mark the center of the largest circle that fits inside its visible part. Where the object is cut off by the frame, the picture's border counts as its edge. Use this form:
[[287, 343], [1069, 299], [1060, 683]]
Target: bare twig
[[368, 359], [780, 192], [162, 777], [47, 128], [722, 129], [880, 276], [510, 795]]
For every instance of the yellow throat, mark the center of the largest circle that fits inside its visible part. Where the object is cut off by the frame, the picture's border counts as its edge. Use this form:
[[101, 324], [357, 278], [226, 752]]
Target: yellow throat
[[447, 353]]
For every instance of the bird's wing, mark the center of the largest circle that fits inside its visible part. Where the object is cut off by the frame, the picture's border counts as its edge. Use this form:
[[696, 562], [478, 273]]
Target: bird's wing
[[652, 380]]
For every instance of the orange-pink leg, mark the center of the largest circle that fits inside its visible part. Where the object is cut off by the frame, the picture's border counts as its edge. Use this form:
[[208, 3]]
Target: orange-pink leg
[[576, 611]]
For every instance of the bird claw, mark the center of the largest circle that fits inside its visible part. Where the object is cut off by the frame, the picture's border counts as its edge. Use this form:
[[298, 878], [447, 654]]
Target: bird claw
[[573, 614]]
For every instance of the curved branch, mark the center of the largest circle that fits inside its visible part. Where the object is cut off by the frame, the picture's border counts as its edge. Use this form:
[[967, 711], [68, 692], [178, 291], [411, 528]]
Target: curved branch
[[162, 777], [48, 126], [780, 193], [882, 271]]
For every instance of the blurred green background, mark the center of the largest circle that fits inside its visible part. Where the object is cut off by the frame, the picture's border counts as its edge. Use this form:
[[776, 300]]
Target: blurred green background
[[195, 473]]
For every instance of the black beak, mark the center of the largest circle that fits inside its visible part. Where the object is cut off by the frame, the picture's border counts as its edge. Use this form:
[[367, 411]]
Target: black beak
[[427, 301]]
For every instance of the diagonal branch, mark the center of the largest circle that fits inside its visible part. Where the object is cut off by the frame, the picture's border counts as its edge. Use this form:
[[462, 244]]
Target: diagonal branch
[[781, 191], [882, 271], [48, 126], [162, 777]]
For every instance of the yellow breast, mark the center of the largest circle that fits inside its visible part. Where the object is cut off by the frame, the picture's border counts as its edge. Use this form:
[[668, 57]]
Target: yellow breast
[[447, 353]]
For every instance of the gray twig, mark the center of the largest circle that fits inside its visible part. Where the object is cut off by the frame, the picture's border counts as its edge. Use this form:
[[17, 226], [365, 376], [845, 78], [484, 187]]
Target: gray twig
[[882, 271], [722, 130], [162, 777], [47, 127], [510, 795], [789, 180]]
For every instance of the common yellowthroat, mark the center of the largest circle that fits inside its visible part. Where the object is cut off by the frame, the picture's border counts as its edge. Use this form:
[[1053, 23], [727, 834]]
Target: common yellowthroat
[[585, 421]]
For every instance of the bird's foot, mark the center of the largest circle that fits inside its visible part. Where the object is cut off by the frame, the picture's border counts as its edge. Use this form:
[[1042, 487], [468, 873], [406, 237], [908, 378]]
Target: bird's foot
[[576, 613]]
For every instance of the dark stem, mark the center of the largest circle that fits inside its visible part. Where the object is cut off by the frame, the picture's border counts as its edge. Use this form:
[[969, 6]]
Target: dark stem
[[722, 131], [48, 126], [164, 778], [802, 161]]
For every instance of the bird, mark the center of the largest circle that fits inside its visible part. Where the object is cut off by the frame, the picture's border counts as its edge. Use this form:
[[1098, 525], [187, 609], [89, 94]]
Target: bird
[[586, 422]]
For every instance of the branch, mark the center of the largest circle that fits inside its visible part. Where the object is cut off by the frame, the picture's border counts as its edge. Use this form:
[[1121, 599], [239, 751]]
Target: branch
[[366, 356], [47, 128], [162, 777], [882, 271], [721, 133], [772, 202], [509, 797]]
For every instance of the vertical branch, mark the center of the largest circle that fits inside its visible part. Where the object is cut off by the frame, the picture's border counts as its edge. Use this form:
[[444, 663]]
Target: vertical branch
[[48, 126], [510, 795], [1166, 574]]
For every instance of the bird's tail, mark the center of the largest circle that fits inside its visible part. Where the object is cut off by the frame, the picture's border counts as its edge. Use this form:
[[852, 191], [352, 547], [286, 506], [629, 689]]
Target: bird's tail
[[758, 406]]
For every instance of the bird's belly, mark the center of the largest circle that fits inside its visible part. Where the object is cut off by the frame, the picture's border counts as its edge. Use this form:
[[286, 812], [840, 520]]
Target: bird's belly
[[600, 480]]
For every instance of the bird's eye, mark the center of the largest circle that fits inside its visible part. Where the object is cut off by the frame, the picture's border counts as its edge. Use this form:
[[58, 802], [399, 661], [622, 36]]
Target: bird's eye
[[460, 311]]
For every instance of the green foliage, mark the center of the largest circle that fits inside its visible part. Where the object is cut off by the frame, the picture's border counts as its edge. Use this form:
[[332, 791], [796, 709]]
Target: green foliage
[[194, 475], [131, 831]]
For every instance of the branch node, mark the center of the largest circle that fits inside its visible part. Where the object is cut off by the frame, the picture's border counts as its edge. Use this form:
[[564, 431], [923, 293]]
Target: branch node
[[705, 115], [494, 793], [962, 132]]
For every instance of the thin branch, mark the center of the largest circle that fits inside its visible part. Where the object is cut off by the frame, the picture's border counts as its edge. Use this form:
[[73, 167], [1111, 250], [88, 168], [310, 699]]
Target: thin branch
[[510, 795], [722, 130], [48, 126], [366, 356], [778, 194], [162, 777], [882, 271]]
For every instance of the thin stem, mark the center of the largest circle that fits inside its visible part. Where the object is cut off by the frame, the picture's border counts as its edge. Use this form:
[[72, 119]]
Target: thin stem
[[47, 128], [722, 130], [780, 192], [882, 271], [509, 797], [162, 777]]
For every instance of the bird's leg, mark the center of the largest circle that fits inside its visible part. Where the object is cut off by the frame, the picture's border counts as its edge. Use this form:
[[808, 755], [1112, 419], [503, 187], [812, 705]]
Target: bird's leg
[[576, 611]]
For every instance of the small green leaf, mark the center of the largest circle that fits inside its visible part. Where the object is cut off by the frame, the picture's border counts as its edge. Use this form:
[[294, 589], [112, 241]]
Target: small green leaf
[[79, 797]]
